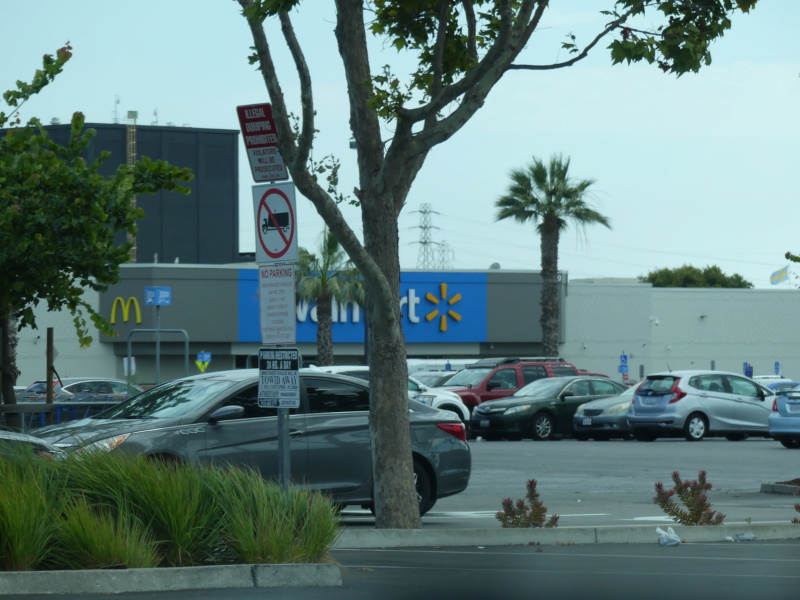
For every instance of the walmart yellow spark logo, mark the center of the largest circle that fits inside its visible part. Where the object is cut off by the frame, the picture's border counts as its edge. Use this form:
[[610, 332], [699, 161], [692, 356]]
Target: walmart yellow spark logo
[[444, 312]]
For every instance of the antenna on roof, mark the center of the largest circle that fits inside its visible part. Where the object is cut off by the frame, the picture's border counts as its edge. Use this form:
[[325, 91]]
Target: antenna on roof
[[155, 117], [115, 113]]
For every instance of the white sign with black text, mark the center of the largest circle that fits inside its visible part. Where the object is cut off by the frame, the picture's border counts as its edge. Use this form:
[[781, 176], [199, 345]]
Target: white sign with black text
[[278, 377], [276, 297]]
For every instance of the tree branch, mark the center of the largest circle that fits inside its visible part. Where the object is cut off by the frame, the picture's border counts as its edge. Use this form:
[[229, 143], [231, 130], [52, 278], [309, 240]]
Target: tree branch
[[306, 139]]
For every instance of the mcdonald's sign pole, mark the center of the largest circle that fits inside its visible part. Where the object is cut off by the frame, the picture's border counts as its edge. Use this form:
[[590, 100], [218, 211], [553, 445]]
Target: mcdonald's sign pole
[[158, 297]]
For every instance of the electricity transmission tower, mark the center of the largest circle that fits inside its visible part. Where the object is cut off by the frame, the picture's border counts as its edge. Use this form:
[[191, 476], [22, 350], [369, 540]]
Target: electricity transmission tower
[[428, 249]]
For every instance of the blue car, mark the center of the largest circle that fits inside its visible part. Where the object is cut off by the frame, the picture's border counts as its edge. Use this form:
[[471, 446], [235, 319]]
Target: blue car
[[784, 420]]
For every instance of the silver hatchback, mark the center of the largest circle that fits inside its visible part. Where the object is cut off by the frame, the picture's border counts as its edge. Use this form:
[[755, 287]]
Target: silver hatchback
[[696, 404]]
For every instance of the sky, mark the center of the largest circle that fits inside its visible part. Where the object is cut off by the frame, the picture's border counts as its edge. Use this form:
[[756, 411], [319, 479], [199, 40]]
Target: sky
[[694, 170]]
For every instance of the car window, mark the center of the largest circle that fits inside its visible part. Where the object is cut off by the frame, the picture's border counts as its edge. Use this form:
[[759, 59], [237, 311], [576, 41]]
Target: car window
[[327, 395], [562, 370], [605, 387], [743, 387], [506, 378], [710, 383], [172, 399], [541, 388], [412, 386], [248, 399], [470, 377], [582, 387], [357, 374], [657, 385], [532, 373]]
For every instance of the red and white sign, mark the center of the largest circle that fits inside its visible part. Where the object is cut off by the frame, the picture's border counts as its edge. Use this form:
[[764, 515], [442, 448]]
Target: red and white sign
[[276, 222], [261, 142], [276, 298]]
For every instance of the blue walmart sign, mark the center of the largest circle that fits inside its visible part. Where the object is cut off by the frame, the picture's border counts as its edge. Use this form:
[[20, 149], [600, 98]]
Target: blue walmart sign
[[445, 307]]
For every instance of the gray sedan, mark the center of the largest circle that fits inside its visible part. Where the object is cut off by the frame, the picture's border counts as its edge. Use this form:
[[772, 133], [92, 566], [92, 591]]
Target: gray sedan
[[605, 418], [216, 418]]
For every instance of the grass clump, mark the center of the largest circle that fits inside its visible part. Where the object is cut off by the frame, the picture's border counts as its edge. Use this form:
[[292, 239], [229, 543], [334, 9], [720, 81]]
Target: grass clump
[[118, 510]]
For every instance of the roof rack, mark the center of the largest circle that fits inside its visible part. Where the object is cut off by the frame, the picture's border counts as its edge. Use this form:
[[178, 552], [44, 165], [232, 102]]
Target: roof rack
[[494, 362]]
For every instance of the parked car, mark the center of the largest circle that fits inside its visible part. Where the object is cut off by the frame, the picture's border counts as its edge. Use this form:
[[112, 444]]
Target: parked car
[[14, 445], [437, 398], [784, 419], [541, 409], [782, 388], [494, 378], [696, 404], [434, 379], [605, 418], [81, 389], [216, 418]]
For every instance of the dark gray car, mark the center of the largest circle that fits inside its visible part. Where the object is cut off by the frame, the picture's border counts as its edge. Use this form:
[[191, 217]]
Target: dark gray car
[[216, 418]]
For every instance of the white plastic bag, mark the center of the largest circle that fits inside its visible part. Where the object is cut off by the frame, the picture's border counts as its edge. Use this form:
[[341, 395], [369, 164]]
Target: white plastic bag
[[668, 537]]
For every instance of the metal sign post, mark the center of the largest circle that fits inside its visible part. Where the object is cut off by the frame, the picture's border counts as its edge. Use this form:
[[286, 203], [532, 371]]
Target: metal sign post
[[279, 386]]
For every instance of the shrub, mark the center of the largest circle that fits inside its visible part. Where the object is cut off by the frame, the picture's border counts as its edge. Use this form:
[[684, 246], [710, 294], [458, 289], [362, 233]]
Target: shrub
[[693, 495], [521, 515]]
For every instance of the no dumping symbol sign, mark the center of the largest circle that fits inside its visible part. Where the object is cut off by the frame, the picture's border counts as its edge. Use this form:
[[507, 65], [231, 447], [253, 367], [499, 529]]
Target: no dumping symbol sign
[[276, 223]]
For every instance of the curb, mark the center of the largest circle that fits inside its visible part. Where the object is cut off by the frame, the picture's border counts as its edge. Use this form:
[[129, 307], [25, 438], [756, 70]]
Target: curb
[[114, 581], [635, 534]]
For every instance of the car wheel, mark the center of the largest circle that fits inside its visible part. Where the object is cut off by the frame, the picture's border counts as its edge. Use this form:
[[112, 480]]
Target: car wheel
[[790, 442], [542, 427], [736, 437], [644, 436], [424, 487], [695, 427]]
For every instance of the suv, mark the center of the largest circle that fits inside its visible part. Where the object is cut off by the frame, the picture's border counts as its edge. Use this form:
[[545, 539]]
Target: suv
[[696, 404], [493, 378]]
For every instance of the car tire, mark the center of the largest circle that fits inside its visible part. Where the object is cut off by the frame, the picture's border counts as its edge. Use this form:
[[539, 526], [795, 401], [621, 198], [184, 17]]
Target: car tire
[[793, 442], [644, 436], [695, 428], [736, 437], [542, 427], [424, 487]]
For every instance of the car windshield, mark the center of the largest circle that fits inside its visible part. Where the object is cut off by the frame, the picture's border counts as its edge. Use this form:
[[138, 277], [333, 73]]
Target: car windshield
[[470, 377], [173, 399], [542, 388]]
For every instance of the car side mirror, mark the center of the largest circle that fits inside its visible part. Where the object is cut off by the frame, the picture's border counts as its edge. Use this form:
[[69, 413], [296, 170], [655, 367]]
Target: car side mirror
[[225, 413], [492, 385], [566, 395]]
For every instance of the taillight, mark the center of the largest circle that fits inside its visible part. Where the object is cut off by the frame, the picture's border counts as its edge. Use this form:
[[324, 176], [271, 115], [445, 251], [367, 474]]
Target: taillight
[[455, 429], [774, 405], [677, 393]]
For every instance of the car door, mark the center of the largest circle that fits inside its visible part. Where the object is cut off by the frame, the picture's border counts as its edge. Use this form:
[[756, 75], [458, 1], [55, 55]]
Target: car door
[[252, 439], [502, 383], [752, 404], [715, 399], [337, 426], [572, 396]]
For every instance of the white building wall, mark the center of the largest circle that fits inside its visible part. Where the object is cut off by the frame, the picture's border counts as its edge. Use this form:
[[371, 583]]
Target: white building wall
[[95, 360]]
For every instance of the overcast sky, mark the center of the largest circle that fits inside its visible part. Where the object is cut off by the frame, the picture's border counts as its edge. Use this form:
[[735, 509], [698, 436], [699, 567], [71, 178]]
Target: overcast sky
[[699, 170]]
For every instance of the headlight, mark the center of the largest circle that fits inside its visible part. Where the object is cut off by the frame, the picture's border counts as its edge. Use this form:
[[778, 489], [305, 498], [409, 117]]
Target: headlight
[[104, 445], [617, 408], [517, 409], [426, 399]]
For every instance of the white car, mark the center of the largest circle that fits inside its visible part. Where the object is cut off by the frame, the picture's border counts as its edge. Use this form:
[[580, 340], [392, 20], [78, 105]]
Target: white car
[[435, 397]]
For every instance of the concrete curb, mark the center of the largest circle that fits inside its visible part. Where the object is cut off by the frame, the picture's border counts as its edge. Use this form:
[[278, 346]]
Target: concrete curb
[[114, 581], [636, 534]]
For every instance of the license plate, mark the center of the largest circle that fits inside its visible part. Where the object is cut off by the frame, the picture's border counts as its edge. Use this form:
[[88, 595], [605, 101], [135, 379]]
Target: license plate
[[648, 400], [484, 422], [793, 408], [587, 421]]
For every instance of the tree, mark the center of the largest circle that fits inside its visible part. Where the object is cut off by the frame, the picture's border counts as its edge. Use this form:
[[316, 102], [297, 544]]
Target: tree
[[548, 197], [58, 217], [689, 276], [322, 278], [461, 49]]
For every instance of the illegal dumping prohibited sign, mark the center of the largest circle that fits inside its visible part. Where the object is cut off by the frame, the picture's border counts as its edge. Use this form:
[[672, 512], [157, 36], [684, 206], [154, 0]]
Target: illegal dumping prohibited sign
[[278, 377]]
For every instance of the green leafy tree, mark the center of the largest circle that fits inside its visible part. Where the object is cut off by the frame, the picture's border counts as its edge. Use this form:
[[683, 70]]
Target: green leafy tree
[[689, 276], [324, 277], [58, 217], [547, 196], [461, 50]]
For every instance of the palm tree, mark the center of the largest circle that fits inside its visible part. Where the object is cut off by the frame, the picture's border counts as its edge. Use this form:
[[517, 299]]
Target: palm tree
[[547, 196], [322, 278]]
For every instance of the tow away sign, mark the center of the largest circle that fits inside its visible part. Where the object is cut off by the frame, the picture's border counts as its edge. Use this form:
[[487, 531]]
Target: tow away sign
[[278, 378], [261, 142]]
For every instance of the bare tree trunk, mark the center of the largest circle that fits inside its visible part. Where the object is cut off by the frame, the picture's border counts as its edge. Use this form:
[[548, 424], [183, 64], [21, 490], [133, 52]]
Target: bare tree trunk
[[324, 333], [395, 494], [550, 304], [9, 369]]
